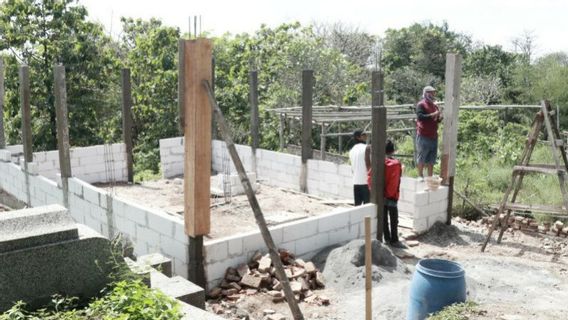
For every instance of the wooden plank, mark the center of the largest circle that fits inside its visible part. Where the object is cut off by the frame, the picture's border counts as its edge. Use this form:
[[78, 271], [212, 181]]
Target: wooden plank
[[307, 102], [368, 270], [25, 96], [259, 217], [197, 136], [378, 145], [451, 111], [2, 132], [254, 119], [535, 208], [281, 130], [181, 84], [536, 169], [127, 121]]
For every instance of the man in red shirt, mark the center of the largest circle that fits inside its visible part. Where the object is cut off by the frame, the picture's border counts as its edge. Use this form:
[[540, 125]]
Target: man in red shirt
[[428, 116]]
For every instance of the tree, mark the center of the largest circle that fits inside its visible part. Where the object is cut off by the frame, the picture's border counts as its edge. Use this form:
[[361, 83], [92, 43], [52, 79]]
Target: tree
[[150, 51], [42, 33]]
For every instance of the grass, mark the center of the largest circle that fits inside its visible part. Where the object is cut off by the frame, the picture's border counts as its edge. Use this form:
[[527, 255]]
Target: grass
[[459, 311]]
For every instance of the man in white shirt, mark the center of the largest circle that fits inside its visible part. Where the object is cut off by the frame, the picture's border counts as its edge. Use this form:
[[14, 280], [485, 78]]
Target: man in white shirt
[[360, 157]]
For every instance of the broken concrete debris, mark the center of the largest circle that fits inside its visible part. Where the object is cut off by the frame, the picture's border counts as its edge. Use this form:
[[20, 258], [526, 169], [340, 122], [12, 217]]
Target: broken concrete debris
[[259, 276]]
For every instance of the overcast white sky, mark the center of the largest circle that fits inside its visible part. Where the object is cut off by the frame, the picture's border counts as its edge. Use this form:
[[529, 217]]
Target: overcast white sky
[[489, 21]]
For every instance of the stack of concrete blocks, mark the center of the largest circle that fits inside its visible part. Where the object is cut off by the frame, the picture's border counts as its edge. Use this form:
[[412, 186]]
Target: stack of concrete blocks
[[171, 157], [150, 230], [418, 207], [43, 252], [91, 164], [303, 237]]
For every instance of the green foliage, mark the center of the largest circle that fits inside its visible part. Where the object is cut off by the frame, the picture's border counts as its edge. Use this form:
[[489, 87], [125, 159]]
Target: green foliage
[[42, 33], [458, 311], [127, 300]]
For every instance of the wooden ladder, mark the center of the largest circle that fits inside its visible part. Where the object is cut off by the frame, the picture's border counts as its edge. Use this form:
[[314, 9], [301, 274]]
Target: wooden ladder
[[547, 117]]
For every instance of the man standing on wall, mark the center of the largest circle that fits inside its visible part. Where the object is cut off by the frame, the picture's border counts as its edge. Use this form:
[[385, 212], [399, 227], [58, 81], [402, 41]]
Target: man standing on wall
[[360, 157], [428, 117]]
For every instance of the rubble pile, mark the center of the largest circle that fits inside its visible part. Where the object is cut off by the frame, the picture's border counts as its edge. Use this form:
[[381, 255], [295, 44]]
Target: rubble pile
[[558, 228], [259, 276]]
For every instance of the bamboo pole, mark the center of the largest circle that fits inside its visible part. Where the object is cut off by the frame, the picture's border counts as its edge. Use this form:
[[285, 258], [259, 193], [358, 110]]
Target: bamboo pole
[[226, 134]]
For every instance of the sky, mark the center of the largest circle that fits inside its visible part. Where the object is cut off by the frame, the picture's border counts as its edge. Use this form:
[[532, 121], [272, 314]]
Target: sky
[[495, 22]]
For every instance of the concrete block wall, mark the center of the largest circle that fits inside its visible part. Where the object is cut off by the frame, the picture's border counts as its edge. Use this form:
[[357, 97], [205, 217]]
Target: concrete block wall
[[149, 230], [102, 163], [304, 237], [171, 157], [419, 208]]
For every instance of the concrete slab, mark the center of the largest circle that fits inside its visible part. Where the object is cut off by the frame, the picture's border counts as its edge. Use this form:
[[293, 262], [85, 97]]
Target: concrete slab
[[179, 288], [36, 226]]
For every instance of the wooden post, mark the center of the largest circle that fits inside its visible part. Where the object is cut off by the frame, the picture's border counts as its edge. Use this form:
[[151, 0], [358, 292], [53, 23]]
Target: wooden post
[[260, 221], [127, 121], [450, 133], [181, 84], [340, 142], [26, 113], [368, 271], [2, 136], [281, 130], [307, 151], [322, 140], [254, 121], [196, 61], [62, 130], [378, 144]]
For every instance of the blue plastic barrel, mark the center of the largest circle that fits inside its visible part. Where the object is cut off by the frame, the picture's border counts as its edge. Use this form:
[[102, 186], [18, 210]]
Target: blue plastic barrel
[[436, 283]]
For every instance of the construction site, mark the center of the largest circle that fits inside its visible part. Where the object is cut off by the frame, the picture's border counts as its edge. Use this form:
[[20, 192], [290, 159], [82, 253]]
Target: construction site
[[242, 232]]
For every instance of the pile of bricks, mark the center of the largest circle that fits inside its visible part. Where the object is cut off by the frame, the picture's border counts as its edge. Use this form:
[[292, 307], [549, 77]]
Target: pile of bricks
[[259, 275], [557, 228]]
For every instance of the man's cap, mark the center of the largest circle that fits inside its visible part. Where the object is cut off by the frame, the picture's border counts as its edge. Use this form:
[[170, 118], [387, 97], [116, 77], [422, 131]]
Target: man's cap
[[357, 133], [428, 89]]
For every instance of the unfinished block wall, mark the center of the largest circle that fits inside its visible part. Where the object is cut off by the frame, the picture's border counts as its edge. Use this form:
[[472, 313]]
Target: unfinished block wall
[[149, 230], [304, 237], [419, 209]]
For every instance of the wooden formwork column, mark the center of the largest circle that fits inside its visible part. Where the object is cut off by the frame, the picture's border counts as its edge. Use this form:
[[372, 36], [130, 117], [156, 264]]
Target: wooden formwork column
[[254, 118], [62, 130], [307, 102], [378, 144], [127, 120], [2, 136], [450, 133], [196, 60], [25, 97]]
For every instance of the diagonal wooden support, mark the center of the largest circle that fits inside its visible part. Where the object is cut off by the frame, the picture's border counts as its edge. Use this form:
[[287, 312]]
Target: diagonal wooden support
[[226, 134]]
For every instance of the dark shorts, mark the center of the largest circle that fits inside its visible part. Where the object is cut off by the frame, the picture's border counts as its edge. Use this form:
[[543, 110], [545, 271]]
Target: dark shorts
[[426, 150]]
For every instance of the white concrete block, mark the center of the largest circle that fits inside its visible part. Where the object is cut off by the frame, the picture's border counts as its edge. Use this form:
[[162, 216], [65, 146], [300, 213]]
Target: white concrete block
[[161, 222], [430, 209], [126, 227], [345, 171], [300, 229], [91, 194], [5, 155], [147, 235], [421, 198], [358, 214], [252, 241], [316, 242], [340, 235], [333, 222], [174, 248], [330, 179], [290, 246], [439, 195], [76, 186], [420, 224], [180, 268], [179, 232], [328, 167], [406, 207], [33, 168], [217, 251], [440, 217], [408, 183], [133, 212]]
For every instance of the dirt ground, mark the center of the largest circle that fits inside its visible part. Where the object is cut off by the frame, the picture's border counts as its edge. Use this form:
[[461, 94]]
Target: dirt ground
[[524, 277], [232, 215]]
